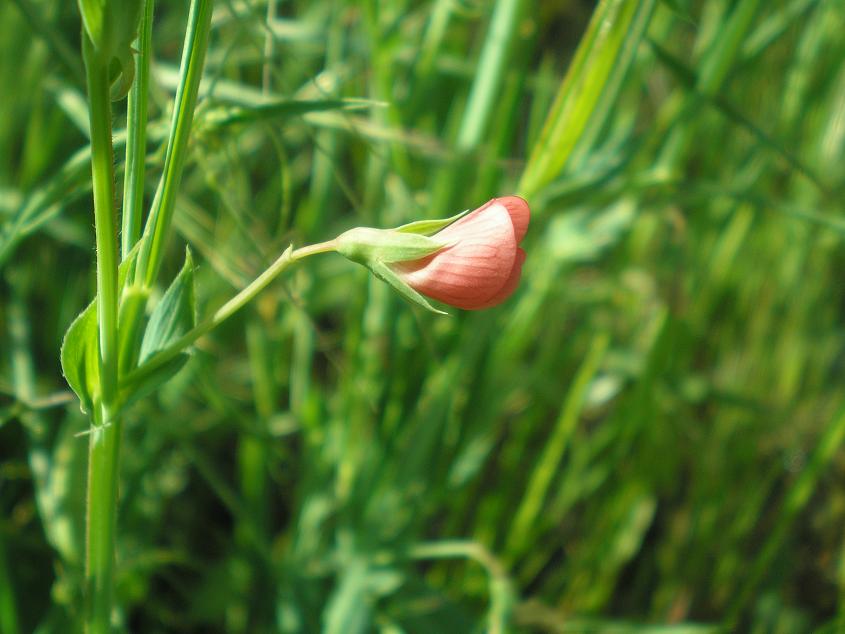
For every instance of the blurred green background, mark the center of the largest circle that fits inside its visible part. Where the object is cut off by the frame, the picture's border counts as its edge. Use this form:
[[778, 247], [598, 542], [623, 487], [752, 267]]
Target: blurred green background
[[646, 437]]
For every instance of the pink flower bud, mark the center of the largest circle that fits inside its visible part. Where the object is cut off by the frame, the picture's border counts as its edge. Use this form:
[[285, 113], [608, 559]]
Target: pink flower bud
[[482, 263]]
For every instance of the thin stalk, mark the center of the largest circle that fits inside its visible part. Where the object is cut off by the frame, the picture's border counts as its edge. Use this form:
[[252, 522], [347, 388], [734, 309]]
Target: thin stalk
[[104, 441], [103, 463], [502, 595], [161, 213], [105, 221], [226, 310], [269, 41], [136, 140]]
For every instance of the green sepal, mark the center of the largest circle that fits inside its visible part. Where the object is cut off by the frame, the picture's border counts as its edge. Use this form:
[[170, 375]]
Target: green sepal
[[365, 245], [174, 315], [429, 227], [386, 274]]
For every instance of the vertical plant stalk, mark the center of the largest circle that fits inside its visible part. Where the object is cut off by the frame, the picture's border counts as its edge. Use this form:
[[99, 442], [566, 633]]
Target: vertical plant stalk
[[104, 440], [136, 137], [103, 462], [9, 622]]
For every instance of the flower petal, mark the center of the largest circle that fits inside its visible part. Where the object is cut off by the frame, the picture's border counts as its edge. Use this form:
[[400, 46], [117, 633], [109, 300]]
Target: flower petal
[[509, 287], [477, 265], [516, 207], [519, 212]]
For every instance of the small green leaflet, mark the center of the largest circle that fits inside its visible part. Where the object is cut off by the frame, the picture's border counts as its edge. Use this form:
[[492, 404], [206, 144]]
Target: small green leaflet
[[174, 315]]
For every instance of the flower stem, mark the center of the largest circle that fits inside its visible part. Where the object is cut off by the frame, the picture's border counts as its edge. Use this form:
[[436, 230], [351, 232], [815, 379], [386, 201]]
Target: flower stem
[[104, 439], [226, 310]]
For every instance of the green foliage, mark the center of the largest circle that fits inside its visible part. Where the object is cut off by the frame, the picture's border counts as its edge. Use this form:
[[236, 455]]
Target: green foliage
[[80, 348], [386, 274], [174, 315], [80, 357], [647, 437], [590, 88], [429, 227]]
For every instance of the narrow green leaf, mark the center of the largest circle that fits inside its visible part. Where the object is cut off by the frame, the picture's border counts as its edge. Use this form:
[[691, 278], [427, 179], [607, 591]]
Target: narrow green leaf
[[174, 315], [160, 217], [589, 88], [492, 66], [220, 117]]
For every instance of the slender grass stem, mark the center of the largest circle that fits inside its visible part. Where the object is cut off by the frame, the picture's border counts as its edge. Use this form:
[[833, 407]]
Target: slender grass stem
[[104, 441], [491, 72], [9, 621]]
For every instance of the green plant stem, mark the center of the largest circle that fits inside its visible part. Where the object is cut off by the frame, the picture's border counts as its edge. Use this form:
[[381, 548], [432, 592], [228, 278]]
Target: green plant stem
[[104, 440], [226, 310], [9, 622], [103, 461], [161, 211], [502, 595], [102, 174], [136, 140]]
